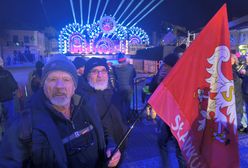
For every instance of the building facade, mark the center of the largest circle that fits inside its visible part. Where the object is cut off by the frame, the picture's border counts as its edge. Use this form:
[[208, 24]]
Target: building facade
[[20, 46]]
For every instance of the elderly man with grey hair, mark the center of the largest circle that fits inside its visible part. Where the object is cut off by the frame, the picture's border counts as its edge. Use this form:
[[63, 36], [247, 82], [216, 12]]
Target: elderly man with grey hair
[[64, 132], [97, 91]]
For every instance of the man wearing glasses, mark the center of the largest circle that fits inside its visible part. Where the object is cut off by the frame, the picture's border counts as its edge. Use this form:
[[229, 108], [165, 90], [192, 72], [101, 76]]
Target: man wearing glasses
[[62, 130], [98, 93]]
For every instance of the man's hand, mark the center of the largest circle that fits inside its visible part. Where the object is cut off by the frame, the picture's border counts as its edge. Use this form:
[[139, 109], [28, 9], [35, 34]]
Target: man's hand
[[115, 159], [242, 71]]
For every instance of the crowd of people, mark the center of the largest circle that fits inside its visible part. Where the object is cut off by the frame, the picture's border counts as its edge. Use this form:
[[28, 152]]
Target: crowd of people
[[79, 111], [19, 57]]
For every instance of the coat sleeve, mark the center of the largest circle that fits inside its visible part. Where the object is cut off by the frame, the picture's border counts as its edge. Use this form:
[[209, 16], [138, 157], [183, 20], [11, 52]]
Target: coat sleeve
[[13, 152], [108, 131], [12, 82], [42, 153]]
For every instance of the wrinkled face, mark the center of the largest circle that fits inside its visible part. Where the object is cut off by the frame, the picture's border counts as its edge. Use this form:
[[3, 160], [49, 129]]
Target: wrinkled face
[[98, 78], [59, 88]]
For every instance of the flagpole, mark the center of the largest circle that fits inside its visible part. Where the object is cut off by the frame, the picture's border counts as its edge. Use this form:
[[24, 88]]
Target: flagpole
[[127, 133]]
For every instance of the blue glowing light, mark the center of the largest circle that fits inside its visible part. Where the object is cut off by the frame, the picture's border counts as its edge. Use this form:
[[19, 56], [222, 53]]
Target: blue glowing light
[[98, 38]]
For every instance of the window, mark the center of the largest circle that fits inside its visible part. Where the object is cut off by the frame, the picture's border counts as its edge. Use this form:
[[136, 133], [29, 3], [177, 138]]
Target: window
[[26, 39]]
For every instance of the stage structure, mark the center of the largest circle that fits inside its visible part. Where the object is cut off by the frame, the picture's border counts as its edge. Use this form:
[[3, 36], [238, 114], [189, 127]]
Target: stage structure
[[105, 36], [112, 33]]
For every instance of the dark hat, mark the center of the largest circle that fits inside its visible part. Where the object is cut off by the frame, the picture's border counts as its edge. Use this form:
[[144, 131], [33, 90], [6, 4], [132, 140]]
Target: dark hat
[[93, 62], [121, 57], [79, 62], [39, 65], [180, 49], [60, 63], [170, 59]]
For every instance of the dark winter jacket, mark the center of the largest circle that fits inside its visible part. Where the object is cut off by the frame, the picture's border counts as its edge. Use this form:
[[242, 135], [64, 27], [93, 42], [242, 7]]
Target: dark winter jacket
[[36, 80], [7, 85], [107, 105], [51, 145], [124, 74], [238, 90], [245, 87], [157, 79]]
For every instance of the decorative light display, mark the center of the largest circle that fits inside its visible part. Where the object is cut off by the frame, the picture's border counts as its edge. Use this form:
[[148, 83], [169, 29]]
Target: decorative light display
[[77, 43], [94, 30], [137, 36], [107, 24], [104, 46], [120, 32], [103, 37]]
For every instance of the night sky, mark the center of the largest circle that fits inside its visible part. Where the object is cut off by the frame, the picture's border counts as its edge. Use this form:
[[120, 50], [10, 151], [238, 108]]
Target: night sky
[[37, 14]]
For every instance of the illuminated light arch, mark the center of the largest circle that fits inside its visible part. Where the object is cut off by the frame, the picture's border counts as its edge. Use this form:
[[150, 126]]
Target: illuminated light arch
[[77, 43], [120, 32], [105, 46], [66, 38], [134, 40], [137, 36], [104, 37]]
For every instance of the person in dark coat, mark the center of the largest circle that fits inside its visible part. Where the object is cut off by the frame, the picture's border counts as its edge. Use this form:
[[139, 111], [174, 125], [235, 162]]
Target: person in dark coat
[[124, 73], [8, 86], [79, 63], [62, 130], [179, 50], [244, 87], [165, 134], [239, 102], [168, 62], [107, 102], [35, 81]]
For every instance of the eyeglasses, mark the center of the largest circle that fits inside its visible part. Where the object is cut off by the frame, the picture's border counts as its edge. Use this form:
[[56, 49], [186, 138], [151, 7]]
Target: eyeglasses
[[96, 72]]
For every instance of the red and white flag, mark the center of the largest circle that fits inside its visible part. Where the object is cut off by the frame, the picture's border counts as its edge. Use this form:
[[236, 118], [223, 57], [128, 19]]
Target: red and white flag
[[197, 99]]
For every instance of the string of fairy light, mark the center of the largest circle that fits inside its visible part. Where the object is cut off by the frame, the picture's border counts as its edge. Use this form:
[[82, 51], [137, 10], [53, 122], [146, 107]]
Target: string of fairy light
[[126, 18]]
